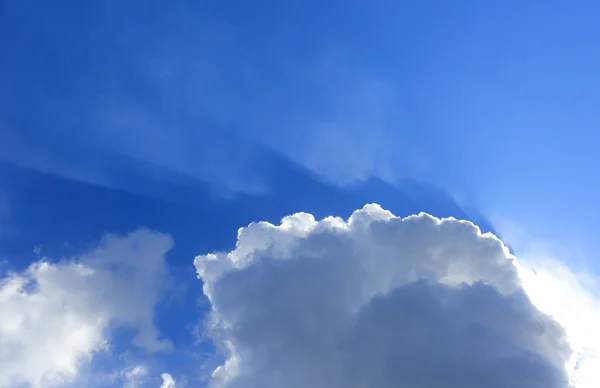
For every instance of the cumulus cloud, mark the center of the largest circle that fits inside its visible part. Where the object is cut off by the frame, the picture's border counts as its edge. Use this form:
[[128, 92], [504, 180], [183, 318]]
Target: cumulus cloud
[[167, 381], [377, 301], [55, 316]]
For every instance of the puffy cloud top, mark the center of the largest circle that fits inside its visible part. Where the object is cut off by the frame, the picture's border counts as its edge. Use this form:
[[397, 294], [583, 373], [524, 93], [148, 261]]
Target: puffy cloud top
[[377, 301]]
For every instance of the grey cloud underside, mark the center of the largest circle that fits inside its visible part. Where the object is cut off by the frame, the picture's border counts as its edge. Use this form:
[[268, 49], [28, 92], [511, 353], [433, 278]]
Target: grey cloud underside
[[430, 336], [377, 301]]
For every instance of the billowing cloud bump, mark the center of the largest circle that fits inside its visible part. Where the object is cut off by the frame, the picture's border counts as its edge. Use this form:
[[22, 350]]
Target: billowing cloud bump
[[376, 301]]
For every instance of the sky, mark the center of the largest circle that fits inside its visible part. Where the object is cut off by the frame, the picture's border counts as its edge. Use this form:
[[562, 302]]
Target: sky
[[236, 195]]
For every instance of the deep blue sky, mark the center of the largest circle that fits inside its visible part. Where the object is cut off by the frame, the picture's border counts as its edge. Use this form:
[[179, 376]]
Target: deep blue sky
[[495, 101], [195, 118]]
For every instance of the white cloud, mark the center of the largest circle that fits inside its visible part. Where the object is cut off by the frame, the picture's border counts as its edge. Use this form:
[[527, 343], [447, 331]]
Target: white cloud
[[56, 315], [133, 378], [379, 301], [167, 381]]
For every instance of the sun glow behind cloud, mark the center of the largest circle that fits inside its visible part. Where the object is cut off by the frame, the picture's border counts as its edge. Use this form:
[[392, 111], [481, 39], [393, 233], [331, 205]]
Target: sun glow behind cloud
[[556, 290]]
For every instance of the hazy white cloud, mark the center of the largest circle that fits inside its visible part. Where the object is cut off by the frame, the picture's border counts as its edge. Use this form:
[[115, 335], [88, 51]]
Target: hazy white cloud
[[380, 301], [354, 141], [56, 315], [133, 377], [167, 381]]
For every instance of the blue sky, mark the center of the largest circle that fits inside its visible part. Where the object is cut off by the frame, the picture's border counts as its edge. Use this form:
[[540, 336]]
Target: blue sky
[[194, 119]]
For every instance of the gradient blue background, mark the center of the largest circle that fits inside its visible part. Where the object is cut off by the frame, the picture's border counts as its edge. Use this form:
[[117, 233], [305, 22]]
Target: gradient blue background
[[195, 118]]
